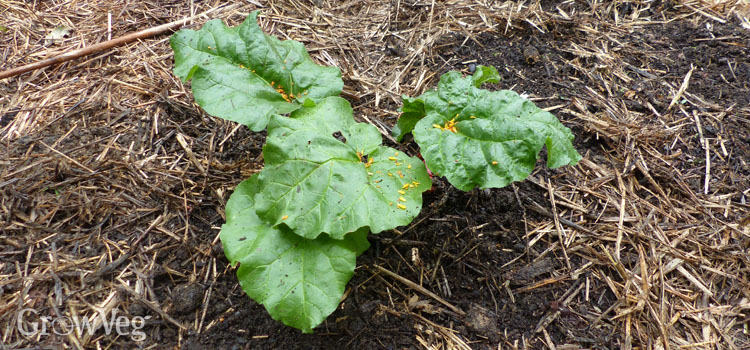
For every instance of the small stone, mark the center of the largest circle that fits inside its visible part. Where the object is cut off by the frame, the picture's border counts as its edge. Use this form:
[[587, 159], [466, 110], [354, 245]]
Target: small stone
[[479, 320], [186, 298], [531, 55]]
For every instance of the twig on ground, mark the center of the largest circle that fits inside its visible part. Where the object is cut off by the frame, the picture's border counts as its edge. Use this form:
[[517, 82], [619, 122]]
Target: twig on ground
[[143, 34], [420, 289]]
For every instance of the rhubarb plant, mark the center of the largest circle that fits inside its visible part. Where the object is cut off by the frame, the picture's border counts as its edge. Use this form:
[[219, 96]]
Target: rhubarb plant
[[295, 228], [481, 138]]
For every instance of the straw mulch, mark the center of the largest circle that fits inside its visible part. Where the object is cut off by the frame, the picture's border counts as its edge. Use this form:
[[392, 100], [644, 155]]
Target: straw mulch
[[107, 166]]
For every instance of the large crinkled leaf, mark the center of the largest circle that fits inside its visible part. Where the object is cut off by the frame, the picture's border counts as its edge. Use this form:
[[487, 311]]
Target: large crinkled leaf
[[299, 281], [481, 138], [413, 109], [246, 76], [325, 173]]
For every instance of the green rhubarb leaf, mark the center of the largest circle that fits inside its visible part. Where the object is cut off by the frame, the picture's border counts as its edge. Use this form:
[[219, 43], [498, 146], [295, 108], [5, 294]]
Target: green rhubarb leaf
[[325, 173], [411, 112], [243, 75], [299, 281], [413, 109], [481, 138], [485, 74]]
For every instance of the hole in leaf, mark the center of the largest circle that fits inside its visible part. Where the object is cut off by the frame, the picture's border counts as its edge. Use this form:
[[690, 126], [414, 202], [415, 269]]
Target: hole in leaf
[[339, 136]]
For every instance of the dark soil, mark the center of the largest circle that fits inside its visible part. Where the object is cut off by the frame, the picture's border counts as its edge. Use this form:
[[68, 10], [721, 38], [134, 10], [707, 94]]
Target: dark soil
[[471, 235], [470, 238]]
